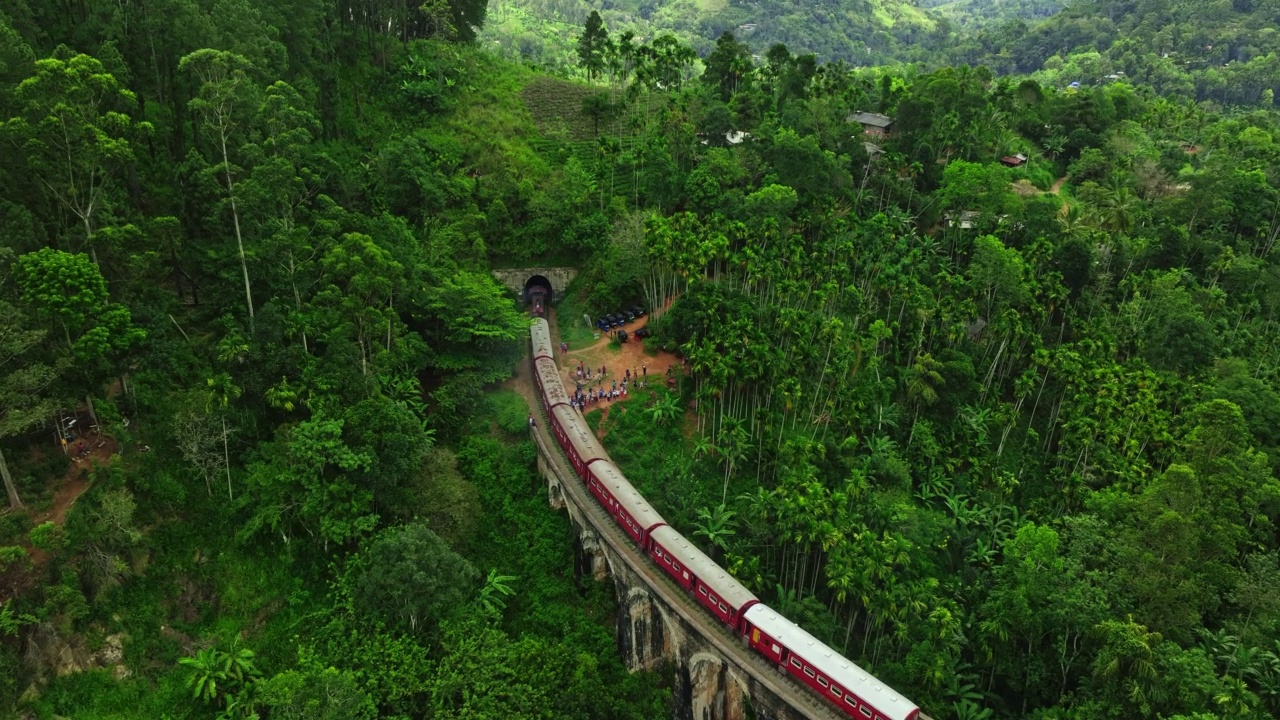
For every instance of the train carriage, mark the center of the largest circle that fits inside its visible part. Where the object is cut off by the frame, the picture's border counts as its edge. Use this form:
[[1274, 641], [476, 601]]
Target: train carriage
[[550, 384], [712, 586], [623, 501], [856, 692], [541, 333], [828, 673], [579, 442]]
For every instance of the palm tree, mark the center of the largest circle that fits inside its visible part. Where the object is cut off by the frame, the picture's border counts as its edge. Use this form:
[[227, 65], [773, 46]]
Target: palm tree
[[1236, 700], [703, 446], [282, 395], [1127, 658], [1074, 221], [923, 381], [733, 448], [1119, 210], [221, 392]]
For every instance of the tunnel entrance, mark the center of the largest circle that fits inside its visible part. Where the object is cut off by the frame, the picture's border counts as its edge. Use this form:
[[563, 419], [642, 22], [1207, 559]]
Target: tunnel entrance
[[538, 293]]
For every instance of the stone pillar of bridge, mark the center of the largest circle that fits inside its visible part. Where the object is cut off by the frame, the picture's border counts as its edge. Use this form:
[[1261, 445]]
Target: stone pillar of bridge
[[589, 557], [711, 689], [646, 634], [651, 635], [555, 494]]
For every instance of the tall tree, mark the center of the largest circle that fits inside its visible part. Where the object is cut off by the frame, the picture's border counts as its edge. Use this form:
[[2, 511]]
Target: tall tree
[[727, 65], [593, 46], [23, 383], [70, 293], [223, 101], [75, 132]]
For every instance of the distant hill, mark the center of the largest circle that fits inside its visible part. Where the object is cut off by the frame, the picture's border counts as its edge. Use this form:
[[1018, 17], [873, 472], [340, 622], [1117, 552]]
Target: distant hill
[[1223, 50], [975, 14], [1227, 51], [859, 32]]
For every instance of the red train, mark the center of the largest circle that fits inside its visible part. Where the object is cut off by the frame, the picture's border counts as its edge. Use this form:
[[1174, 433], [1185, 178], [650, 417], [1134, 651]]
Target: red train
[[782, 642]]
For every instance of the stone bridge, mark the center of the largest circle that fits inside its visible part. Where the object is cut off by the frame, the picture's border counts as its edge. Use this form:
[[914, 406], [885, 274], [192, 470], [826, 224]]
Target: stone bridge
[[521, 279], [716, 676]]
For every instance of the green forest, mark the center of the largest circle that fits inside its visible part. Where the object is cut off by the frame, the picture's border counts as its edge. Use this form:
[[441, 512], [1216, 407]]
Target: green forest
[[1222, 51], [1003, 431]]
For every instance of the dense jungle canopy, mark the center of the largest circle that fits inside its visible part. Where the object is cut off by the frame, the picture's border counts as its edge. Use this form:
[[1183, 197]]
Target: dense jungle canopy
[[990, 404]]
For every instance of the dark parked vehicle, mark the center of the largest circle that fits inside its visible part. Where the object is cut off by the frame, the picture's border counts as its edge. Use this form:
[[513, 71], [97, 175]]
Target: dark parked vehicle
[[638, 311], [643, 332], [622, 336]]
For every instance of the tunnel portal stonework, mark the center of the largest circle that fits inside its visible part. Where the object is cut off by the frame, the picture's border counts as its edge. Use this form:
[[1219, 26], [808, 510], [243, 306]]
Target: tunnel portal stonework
[[516, 279]]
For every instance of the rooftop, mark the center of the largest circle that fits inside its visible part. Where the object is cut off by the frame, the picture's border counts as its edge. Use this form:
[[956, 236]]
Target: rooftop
[[872, 119]]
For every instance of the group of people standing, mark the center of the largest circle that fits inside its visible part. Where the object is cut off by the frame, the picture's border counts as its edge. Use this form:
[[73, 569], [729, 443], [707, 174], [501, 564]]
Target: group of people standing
[[582, 398]]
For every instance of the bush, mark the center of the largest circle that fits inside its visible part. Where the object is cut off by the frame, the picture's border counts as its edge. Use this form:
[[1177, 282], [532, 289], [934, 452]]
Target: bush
[[14, 526], [510, 411], [48, 536]]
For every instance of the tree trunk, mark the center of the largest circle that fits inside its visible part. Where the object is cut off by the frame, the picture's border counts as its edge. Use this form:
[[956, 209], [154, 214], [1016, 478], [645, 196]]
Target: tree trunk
[[88, 238], [226, 458], [15, 502], [235, 220]]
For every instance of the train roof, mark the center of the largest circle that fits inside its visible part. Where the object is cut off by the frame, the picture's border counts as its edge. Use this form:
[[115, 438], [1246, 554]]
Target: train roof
[[588, 447], [835, 666], [552, 383], [714, 576], [630, 499], [541, 334]]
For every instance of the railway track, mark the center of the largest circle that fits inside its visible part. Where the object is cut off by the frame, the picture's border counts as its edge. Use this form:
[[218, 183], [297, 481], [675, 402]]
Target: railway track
[[676, 599]]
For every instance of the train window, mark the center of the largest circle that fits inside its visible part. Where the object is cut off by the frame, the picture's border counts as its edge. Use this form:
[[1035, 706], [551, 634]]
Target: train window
[[822, 681], [809, 671], [795, 662], [865, 712], [835, 691], [723, 608], [675, 565], [776, 649], [849, 699], [711, 597], [702, 590]]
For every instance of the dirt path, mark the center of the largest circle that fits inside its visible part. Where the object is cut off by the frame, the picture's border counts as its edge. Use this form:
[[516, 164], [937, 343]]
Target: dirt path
[[1057, 185], [651, 369], [615, 361], [69, 489], [75, 482]]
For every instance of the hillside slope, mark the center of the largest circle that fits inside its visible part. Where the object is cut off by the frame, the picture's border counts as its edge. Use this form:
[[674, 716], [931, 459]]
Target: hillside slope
[[1223, 51]]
